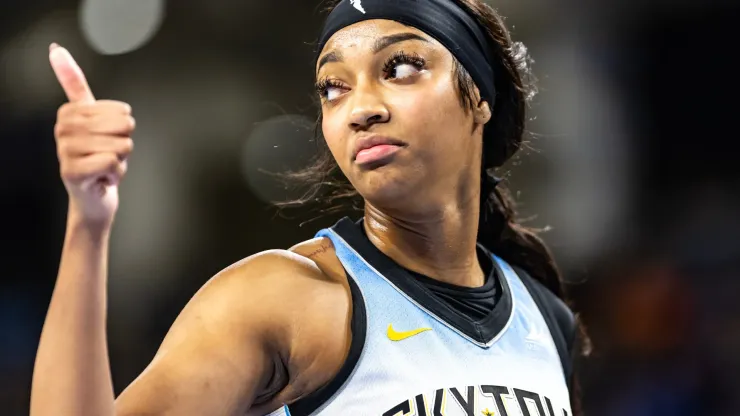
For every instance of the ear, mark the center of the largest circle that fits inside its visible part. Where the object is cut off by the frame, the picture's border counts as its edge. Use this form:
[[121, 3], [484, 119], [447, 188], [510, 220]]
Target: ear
[[482, 113]]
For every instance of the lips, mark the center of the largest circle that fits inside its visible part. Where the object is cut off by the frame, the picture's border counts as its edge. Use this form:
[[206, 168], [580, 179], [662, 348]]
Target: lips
[[375, 148]]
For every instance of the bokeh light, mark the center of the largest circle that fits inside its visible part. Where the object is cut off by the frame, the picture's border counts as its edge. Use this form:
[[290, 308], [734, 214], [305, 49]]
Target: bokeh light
[[277, 145], [114, 27]]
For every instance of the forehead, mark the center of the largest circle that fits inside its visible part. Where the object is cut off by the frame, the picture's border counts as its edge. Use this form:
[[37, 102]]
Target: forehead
[[363, 34]]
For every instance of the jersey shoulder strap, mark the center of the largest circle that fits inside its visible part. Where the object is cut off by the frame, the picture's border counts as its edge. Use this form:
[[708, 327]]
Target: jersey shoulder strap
[[559, 318]]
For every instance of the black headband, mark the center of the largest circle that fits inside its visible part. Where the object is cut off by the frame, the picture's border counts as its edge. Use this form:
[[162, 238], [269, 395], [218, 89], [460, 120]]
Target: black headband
[[444, 20]]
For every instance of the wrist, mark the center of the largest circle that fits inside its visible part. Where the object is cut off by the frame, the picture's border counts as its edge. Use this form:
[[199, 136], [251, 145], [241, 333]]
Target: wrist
[[78, 222]]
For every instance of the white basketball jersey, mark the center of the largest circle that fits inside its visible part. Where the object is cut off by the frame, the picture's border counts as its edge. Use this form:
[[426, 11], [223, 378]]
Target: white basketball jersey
[[415, 362]]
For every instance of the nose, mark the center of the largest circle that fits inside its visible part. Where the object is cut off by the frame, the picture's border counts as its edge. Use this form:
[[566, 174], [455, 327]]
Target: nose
[[368, 109]]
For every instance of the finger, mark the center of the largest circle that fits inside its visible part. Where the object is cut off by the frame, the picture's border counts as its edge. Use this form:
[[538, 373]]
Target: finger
[[85, 146], [94, 108], [107, 124], [70, 76], [112, 106], [79, 127], [90, 167], [93, 167], [115, 176]]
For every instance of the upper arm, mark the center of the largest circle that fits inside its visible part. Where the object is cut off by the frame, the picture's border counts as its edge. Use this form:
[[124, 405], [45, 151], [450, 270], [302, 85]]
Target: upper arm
[[224, 348]]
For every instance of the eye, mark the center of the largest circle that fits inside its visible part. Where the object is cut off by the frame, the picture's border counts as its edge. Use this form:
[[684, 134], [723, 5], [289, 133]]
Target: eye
[[402, 65], [329, 89]]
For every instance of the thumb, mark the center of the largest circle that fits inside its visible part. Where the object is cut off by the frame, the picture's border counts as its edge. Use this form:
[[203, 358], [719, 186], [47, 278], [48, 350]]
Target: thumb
[[70, 75]]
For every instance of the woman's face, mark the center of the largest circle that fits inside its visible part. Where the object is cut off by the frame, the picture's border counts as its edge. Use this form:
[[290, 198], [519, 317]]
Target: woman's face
[[392, 116]]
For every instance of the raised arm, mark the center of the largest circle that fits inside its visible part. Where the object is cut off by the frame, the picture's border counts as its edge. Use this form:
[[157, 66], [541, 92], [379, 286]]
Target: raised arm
[[72, 374], [224, 349]]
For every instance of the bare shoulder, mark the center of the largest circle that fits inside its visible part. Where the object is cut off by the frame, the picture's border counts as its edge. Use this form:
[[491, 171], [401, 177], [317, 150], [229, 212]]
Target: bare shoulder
[[298, 277], [255, 334], [260, 282], [320, 251], [278, 276], [278, 288], [308, 294], [283, 276]]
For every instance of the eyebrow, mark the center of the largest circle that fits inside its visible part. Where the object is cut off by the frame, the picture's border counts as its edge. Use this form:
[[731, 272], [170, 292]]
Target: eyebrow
[[332, 56], [379, 45]]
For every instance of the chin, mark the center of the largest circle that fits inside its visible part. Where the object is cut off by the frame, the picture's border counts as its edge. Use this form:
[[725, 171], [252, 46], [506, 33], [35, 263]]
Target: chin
[[389, 187]]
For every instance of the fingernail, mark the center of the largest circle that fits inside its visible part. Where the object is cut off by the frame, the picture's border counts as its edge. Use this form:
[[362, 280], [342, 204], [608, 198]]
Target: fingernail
[[53, 46]]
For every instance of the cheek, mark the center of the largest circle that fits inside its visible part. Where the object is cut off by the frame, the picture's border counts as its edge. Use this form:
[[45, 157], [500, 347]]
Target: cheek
[[424, 102], [435, 116], [449, 111], [333, 134]]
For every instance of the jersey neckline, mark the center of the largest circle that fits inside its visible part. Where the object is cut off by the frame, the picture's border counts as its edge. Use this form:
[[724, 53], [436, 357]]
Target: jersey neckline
[[482, 332]]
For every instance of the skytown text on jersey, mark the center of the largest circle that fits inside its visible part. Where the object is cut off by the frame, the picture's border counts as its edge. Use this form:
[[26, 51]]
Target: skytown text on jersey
[[485, 400]]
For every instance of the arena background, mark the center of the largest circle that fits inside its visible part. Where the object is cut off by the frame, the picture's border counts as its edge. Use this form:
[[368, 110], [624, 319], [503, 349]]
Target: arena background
[[632, 164]]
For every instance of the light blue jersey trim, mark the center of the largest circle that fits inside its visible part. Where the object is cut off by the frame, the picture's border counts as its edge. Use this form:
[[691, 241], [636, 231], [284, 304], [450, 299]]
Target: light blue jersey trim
[[283, 411], [331, 234]]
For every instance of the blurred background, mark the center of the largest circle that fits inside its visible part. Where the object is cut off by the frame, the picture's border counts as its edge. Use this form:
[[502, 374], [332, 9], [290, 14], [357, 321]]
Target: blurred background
[[631, 164]]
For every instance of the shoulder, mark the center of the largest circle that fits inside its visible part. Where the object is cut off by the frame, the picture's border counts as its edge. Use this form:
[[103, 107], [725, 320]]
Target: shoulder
[[309, 259], [281, 273], [247, 333], [260, 296], [300, 286], [320, 252], [303, 296], [266, 299], [274, 285]]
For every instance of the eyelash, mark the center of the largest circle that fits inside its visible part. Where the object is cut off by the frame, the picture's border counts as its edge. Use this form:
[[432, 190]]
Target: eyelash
[[402, 57], [324, 84], [398, 58]]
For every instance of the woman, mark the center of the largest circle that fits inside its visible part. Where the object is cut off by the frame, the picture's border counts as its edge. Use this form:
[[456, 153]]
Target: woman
[[405, 312]]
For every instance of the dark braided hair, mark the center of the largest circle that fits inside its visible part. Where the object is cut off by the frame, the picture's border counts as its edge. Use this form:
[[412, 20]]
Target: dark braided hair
[[498, 229]]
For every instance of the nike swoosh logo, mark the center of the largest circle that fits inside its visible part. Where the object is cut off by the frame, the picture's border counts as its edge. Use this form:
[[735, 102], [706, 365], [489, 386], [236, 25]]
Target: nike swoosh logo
[[393, 335]]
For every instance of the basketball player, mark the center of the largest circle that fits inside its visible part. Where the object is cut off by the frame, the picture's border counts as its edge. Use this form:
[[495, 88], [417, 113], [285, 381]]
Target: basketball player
[[435, 303]]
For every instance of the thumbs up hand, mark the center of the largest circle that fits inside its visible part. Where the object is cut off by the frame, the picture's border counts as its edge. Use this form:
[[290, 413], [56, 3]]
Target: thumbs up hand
[[93, 143]]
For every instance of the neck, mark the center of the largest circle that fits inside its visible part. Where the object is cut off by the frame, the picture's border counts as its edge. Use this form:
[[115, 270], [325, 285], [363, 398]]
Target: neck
[[440, 244]]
